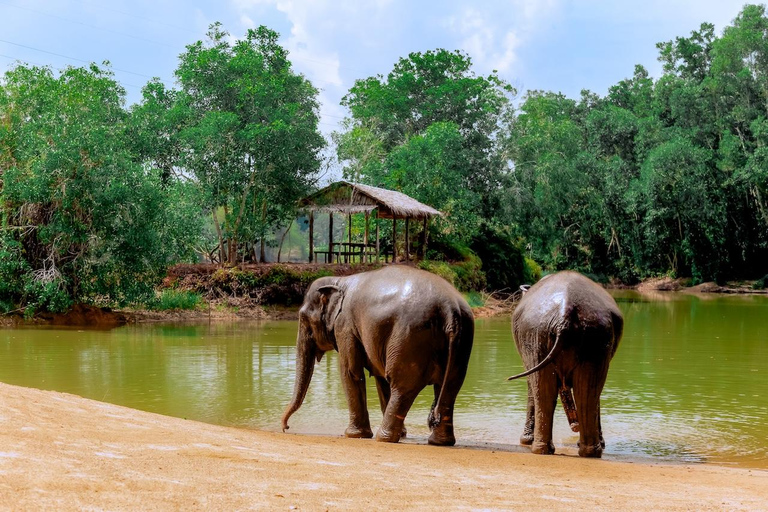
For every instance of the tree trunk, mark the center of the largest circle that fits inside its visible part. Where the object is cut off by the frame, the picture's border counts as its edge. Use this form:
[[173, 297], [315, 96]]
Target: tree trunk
[[282, 240], [221, 238], [311, 236], [262, 255]]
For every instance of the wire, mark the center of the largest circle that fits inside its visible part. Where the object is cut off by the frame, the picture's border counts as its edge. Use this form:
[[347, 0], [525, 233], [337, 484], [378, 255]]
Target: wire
[[87, 25], [71, 58]]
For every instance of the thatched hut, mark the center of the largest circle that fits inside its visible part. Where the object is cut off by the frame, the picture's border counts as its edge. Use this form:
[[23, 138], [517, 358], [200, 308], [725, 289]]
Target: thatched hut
[[353, 198]]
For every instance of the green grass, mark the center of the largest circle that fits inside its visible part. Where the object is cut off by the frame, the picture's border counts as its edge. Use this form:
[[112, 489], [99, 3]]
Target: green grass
[[170, 300], [475, 299]]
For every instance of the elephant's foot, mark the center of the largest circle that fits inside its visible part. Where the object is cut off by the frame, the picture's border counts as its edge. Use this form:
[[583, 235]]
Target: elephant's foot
[[526, 439], [357, 432], [387, 436], [442, 434], [441, 440], [540, 448], [403, 433], [594, 451]]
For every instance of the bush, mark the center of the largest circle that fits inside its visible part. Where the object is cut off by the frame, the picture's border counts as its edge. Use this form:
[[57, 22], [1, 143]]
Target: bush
[[439, 268], [475, 299], [531, 272], [502, 259], [761, 283], [170, 300]]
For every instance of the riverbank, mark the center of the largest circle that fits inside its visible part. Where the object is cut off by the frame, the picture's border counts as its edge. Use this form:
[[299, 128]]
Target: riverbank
[[65, 452]]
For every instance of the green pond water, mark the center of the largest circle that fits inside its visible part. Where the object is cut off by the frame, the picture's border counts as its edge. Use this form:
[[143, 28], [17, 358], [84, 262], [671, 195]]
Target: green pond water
[[689, 382]]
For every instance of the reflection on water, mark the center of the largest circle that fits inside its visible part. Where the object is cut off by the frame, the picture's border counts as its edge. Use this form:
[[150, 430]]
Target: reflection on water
[[688, 384]]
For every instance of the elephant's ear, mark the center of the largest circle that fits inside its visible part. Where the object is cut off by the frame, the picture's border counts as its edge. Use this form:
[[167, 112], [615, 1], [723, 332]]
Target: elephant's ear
[[332, 299]]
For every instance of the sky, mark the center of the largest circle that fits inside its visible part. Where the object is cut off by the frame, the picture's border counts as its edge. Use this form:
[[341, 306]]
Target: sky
[[557, 45]]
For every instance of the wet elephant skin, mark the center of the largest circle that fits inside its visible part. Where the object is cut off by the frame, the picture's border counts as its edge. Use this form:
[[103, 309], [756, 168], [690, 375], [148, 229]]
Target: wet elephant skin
[[575, 322], [407, 327]]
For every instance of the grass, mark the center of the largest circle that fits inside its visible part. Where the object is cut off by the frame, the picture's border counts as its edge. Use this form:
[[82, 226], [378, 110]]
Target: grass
[[171, 299]]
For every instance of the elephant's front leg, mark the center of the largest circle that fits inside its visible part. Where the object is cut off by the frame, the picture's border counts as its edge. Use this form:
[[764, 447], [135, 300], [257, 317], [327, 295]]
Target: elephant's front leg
[[530, 420], [382, 386], [353, 378]]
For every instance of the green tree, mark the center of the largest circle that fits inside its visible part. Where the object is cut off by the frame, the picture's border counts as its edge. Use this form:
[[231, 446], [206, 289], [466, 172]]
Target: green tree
[[81, 218], [430, 129], [247, 125]]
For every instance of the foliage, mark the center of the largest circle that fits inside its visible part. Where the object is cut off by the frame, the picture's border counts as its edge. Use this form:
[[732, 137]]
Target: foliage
[[170, 300], [430, 129], [502, 259], [81, 219], [531, 272], [761, 283], [657, 177], [243, 125], [475, 299], [465, 275]]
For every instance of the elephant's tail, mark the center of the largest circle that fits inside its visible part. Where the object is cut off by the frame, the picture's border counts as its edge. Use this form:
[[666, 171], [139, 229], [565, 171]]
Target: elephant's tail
[[550, 357], [461, 334]]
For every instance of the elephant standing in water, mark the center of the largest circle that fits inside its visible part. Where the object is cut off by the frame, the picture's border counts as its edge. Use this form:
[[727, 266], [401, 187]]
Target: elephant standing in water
[[567, 329], [407, 327]]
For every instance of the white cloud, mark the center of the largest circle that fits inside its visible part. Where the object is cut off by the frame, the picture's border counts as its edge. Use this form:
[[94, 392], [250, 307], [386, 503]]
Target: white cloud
[[492, 33]]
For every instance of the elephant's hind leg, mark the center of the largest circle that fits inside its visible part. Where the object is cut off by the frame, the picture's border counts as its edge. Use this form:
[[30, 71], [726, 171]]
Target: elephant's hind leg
[[588, 381], [394, 417], [544, 390], [382, 386], [530, 420]]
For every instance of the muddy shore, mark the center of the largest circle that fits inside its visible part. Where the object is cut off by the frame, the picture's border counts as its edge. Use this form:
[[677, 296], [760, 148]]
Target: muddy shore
[[63, 452]]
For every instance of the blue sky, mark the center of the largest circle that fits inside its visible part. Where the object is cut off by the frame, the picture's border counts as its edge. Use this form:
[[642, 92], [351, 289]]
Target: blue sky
[[557, 45]]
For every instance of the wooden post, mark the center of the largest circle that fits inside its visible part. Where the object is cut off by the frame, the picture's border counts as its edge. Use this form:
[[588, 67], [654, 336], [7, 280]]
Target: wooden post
[[407, 249], [378, 257], [394, 240], [365, 237], [329, 257], [311, 236], [348, 257], [424, 238]]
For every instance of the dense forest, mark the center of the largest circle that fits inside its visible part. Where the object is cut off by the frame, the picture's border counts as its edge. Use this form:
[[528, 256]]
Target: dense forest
[[665, 176]]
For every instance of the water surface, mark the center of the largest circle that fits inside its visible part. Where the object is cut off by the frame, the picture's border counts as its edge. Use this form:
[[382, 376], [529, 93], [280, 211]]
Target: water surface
[[689, 382]]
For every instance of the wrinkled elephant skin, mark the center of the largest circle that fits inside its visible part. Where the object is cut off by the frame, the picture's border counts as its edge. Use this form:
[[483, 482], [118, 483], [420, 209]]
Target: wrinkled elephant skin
[[407, 327], [569, 327]]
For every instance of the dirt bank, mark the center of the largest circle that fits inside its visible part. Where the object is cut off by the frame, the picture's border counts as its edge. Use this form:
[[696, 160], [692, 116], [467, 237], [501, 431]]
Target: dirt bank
[[63, 452]]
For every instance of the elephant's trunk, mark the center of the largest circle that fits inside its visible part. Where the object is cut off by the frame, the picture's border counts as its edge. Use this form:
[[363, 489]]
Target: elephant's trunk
[[305, 364]]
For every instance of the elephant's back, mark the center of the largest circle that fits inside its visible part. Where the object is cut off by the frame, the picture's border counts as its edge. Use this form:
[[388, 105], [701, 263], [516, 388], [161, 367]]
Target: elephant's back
[[567, 298]]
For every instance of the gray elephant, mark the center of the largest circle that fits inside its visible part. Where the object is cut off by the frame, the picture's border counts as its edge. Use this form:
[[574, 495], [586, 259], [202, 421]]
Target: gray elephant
[[566, 329], [407, 327]]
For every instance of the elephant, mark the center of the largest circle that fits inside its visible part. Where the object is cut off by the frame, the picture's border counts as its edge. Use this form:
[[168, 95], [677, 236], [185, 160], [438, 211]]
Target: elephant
[[409, 328], [567, 329]]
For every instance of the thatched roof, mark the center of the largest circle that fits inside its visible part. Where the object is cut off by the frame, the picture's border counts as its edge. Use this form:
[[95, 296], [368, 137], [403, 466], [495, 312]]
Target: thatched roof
[[345, 197]]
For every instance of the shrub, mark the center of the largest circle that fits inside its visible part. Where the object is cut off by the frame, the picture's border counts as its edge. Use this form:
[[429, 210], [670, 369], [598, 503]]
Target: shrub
[[170, 299], [531, 271], [761, 283], [475, 299], [439, 268], [502, 259]]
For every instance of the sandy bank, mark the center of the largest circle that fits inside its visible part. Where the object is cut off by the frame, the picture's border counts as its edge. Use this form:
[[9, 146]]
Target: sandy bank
[[63, 452]]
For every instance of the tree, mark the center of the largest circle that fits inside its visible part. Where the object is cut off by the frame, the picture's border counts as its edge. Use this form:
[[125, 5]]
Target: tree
[[430, 129], [247, 125], [81, 218]]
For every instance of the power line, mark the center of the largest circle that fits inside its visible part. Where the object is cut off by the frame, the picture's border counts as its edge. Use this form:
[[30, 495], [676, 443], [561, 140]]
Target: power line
[[87, 25], [143, 18], [24, 61], [71, 58]]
